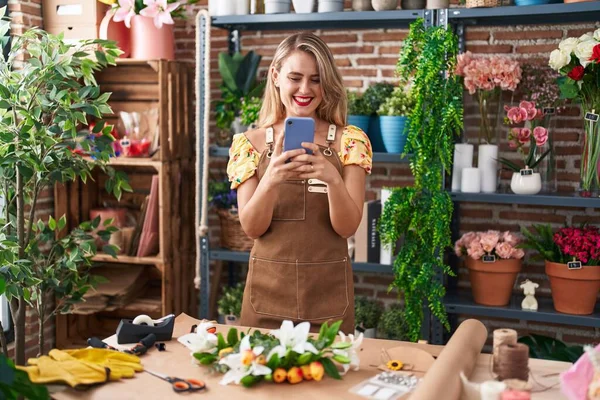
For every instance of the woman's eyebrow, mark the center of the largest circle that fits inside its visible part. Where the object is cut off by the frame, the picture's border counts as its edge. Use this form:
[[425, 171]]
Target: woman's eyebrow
[[299, 74]]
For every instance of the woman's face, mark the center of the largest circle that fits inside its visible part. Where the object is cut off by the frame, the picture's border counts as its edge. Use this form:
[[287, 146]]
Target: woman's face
[[299, 84]]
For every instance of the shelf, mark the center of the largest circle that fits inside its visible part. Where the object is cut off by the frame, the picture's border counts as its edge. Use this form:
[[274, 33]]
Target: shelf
[[133, 162], [462, 303], [150, 306], [560, 200], [128, 259], [332, 20], [519, 15], [240, 256]]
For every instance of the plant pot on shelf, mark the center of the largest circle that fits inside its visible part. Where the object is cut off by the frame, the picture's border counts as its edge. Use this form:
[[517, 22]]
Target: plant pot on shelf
[[117, 31], [384, 5], [277, 6], [393, 133], [233, 236], [526, 184], [303, 6], [149, 42], [331, 5], [362, 5], [437, 4], [574, 291], [361, 121], [370, 333], [231, 319], [413, 4], [375, 135], [482, 3], [492, 283]]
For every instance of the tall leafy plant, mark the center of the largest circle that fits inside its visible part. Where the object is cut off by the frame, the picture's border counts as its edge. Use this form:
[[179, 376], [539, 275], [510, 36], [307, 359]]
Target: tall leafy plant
[[47, 93], [421, 214]]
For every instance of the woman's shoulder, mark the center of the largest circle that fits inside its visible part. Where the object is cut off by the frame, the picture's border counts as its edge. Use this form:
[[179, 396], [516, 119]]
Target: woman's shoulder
[[256, 137]]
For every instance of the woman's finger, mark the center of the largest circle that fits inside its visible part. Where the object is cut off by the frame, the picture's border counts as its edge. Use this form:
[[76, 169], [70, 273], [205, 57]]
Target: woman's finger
[[312, 146]]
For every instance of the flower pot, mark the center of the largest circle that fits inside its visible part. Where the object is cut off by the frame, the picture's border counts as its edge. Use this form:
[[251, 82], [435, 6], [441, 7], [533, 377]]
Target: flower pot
[[487, 162], [577, 1], [412, 4], [231, 320], [574, 291], [437, 4], [277, 6], [370, 333], [303, 6], [227, 7], [492, 283], [482, 3], [331, 5], [242, 7], [117, 31], [375, 135], [150, 43], [361, 121], [526, 184], [393, 133], [383, 5], [362, 5]]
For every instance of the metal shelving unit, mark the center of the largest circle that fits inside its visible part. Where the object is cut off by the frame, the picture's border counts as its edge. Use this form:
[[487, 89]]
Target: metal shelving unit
[[553, 199]]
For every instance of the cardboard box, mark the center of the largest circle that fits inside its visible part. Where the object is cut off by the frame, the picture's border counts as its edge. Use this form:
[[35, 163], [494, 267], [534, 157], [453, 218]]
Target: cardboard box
[[74, 33], [73, 12]]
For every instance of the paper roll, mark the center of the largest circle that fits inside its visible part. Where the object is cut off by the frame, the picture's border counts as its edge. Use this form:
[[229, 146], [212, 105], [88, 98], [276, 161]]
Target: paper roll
[[442, 381], [502, 336], [487, 162], [470, 180], [143, 319], [463, 158]]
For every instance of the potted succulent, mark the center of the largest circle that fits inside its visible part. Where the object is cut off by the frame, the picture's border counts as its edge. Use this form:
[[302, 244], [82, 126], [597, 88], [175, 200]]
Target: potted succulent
[[367, 313], [224, 199], [358, 111], [494, 261], [392, 324], [230, 304], [374, 96], [394, 121], [572, 262]]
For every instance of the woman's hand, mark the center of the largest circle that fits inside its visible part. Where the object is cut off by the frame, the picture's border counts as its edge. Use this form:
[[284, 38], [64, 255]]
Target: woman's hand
[[278, 170], [316, 166]]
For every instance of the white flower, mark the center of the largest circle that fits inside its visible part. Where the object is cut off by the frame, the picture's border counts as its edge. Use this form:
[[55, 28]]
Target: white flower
[[568, 45], [238, 369], [558, 59], [202, 341], [351, 352], [294, 338], [586, 37], [584, 51]]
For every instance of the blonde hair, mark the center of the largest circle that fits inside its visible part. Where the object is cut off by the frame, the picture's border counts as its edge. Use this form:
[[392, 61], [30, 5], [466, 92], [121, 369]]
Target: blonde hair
[[333, 107]]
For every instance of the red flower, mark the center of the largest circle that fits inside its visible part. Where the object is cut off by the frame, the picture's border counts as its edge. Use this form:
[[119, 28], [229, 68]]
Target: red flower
[[577, 72], [596, 54]]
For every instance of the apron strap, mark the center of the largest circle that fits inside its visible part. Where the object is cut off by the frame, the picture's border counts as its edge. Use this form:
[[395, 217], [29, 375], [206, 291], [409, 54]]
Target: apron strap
[[330, 139], [269, 140]]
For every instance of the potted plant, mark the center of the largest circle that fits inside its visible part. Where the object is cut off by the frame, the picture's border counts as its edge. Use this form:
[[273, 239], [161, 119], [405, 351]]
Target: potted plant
[[392, 324], [249, 111], [367, 313], [394, 121], [524, 179], [384, 5], [494, 261], [238, 72], [374, 96], [421, 213], [230, 304], [224, 199], [362, 5], [43, 104], [277, 6], [331, 5], [572, 262], [487, 77], [304, 6], [358, 111]]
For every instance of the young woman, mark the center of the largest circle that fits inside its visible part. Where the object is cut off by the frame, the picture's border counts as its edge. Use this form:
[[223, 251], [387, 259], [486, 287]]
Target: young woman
[[300, 212]]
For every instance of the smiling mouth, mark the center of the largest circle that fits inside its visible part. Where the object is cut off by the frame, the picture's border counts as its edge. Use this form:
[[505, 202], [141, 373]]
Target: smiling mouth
[[303, 101]]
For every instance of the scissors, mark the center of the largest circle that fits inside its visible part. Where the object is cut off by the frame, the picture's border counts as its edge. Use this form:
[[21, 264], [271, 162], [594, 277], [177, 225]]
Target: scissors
[[181, 385]]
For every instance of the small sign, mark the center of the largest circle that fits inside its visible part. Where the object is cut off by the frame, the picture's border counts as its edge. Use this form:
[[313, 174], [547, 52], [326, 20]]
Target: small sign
[[489, 258], [526, 172], [591, 117], [574, 265], [549, 110]]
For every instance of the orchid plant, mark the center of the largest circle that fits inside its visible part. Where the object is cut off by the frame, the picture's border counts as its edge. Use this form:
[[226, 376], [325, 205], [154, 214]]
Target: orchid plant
[[286, 354], [161, 11]]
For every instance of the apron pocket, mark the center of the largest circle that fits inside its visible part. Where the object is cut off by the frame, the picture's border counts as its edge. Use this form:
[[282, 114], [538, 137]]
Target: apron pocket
[[291, 201], [323, 289], [274, 288]]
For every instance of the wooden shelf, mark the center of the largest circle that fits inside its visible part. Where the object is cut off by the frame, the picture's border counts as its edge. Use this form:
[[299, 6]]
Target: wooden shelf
[[129, 259], [150, 306], [133, 162]]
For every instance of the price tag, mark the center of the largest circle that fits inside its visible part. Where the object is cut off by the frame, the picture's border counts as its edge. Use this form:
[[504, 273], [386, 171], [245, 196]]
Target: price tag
[[526, 172], [591, 117], [489, 258], [574, 265], [549, 110]]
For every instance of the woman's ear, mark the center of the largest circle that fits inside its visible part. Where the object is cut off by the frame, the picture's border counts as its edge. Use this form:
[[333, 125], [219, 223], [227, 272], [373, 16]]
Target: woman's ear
[[275, 76]]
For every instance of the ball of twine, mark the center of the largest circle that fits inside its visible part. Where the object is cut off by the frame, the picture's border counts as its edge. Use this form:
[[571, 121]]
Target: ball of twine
[[513, 362], [502, 336]]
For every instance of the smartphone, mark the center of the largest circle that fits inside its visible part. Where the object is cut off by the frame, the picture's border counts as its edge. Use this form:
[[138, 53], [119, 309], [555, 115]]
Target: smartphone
[[296, 131]]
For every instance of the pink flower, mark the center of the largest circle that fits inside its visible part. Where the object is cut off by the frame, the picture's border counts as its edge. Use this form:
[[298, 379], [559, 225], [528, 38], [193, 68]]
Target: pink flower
[[489, 240], [516, 115], [524, 135], [160, 10], [539, 114], [517, 253], [529, 107], [541, 135], [125, 12], [469, 237], [512, 144], [504, 250], [475, 251], [509, 238]]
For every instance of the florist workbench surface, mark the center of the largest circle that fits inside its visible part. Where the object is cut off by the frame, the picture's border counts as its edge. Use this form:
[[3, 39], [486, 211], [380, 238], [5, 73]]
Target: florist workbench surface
[[177, 361]]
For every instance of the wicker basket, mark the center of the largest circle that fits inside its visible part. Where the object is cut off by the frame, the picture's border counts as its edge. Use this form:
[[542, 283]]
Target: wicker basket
[[233, 236], [482, 3]]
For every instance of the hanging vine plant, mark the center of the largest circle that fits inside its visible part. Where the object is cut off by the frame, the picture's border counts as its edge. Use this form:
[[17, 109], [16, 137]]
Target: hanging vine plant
[[421, 214]]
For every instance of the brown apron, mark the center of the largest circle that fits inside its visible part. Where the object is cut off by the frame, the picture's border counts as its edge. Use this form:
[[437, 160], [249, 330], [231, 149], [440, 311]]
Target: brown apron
[[299, 268]]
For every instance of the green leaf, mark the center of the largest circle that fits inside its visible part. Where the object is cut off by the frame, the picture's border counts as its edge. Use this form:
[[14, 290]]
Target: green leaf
[[304, 358], [341, 345], [52, 223], [62, 222], [250, 380], [274, 361], [341, 359], [330, 368], [2, 285], [232, 337], [110, 249], [221, 344]]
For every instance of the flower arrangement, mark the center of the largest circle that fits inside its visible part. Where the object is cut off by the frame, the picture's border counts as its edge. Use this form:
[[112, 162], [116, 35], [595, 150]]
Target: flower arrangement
[[286, 354], [220, 195], [161, 11], [490, 243], [539, 84], [487, 77], [533, 134]]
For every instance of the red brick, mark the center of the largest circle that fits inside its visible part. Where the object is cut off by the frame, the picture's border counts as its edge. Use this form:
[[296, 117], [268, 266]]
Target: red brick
[[377, 61], [568, 151], [342, 62], [579, 339], [566, 137], [526, 35], [494, 48], [378, 280], [381, 183], [26, 9], [389, 73], [565, 176], [359, 291], [358, 71], [531, 216], [379, 171], [353, 83], [582, 219], [337, 38], [579, 32], [385, 37], [471, 213], [389, 49], [262, 41], [401, 171], [536, 48], [476, 35], [353, 50]]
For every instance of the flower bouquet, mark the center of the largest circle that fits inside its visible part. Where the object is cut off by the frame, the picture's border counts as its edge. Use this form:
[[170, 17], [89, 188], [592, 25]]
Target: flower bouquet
[[493, 260], [286, 354], [577, 60], [160, 11]]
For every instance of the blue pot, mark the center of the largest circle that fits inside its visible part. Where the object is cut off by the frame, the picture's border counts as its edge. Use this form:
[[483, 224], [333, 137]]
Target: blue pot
[[535, 2], [361, 121], [393, 133], [375, 135]]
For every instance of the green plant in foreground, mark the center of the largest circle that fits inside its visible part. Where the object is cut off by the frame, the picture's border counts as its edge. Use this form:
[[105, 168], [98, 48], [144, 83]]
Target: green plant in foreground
[[15, 384], [421, 214], [547, 348]]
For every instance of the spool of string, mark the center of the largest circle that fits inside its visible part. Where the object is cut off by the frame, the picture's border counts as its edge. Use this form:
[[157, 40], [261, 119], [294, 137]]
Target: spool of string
[[502, 336], [513, 362]]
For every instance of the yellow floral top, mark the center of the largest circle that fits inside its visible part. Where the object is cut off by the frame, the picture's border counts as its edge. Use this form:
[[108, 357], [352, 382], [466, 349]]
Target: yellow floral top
[[355, 149]]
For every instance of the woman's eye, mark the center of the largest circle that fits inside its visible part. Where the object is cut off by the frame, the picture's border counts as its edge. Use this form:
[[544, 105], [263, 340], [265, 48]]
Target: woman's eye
[[316, 81], [295, 79]]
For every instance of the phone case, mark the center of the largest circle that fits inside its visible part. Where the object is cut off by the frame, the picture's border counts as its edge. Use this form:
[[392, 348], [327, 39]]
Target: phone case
[[298, 130]]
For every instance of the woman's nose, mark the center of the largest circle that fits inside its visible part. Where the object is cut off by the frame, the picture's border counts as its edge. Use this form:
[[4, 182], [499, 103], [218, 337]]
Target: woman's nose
[[305, 87]]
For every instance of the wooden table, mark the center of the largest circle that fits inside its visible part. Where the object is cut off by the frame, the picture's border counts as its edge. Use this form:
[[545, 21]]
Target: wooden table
[[177, 361]]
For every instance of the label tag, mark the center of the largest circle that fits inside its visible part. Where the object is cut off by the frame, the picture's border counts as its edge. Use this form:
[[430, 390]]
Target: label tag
[[591, 117], [526, 172], [269, 136], [574, 265], [488, 258], [331, 133], [549, 110]]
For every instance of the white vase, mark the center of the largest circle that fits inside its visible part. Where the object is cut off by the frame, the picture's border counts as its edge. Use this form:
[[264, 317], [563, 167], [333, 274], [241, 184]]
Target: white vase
[[227, 7], [487, 163], [526, 184], [463, 158], [303, 6], [470, 180], [277, 6], [213, 7], [243, 7], [331, 5]]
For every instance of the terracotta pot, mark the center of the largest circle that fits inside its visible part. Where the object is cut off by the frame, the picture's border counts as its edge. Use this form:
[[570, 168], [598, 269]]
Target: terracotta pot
[[576, 1], [573, 291], [492, 283], [150, 43]]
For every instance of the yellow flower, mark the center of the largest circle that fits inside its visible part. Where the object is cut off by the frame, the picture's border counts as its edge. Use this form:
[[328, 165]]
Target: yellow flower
[[109, 2], [394, 365]]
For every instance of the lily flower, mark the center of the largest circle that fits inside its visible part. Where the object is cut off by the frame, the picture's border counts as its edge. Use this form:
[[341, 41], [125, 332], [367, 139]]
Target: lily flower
[[160, 10], [202, 341], [244, 363], [125, 12], [350, 352], [294, 338]]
